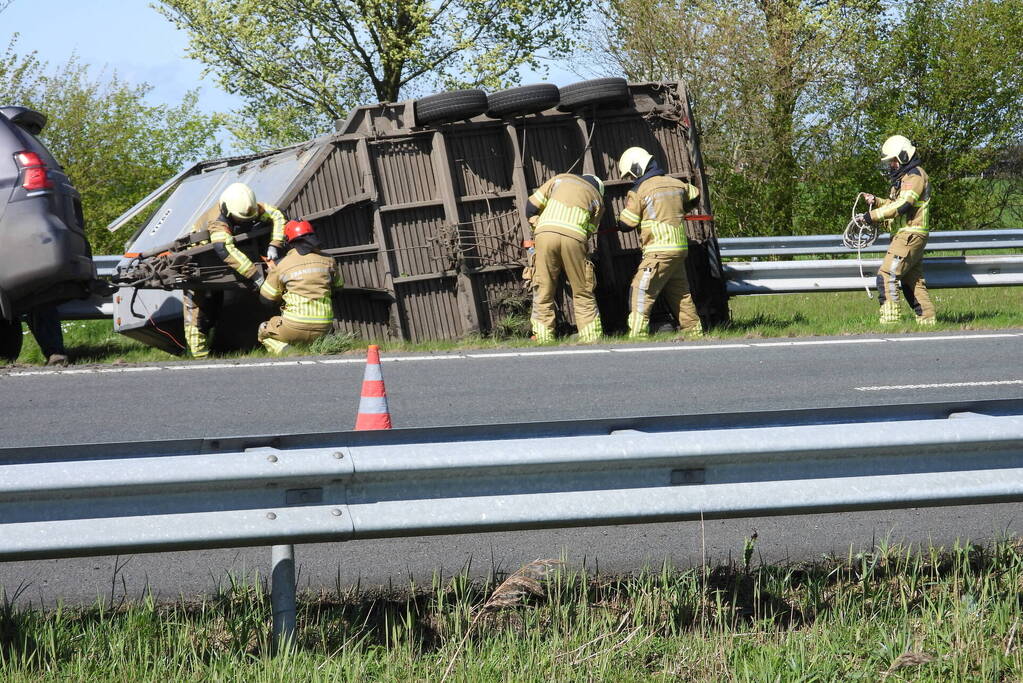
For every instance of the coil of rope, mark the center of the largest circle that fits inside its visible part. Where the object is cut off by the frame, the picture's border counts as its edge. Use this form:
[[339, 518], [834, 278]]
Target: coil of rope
[[859, 235]]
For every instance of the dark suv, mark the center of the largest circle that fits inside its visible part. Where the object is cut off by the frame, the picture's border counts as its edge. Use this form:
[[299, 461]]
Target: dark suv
[[45, 257]]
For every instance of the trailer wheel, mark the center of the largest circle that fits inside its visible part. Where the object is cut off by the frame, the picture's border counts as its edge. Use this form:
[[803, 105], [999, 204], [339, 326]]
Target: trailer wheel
[[594, 92], [451, 106], [527, 99], [10, 340]]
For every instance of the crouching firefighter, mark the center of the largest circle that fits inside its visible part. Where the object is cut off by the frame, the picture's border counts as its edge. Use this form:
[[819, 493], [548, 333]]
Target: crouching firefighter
[[907, 209], [565, 212], [305, 280], [237, 212], [657, 204]]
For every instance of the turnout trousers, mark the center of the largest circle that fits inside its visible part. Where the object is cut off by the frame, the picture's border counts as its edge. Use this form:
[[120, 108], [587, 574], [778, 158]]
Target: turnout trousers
[[902, 271], [277, 332], [661, 274], [201, 310], [557, 253]]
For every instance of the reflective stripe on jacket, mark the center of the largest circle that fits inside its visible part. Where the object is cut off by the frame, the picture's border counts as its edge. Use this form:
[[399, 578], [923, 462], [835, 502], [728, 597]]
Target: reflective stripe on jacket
[[569, 206], [222, 231], [304, 283], [908, 209], [658, 208]]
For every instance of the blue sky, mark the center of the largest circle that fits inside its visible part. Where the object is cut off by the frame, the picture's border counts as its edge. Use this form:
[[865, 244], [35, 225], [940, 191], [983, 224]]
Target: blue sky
[[124, 35], [133, 39]]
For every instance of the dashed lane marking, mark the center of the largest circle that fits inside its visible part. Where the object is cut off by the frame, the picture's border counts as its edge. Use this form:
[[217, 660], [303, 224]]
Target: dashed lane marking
[[538, 353], [945, 385]]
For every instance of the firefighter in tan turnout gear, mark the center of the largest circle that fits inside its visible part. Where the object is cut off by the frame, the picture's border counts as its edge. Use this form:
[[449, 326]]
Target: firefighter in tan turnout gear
[[657, 205], [907, 211], [565, 212], [304, 280], [237, 212]]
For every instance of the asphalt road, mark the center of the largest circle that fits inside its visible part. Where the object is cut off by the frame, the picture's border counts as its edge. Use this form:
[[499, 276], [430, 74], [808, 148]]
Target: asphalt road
[[104, 404]]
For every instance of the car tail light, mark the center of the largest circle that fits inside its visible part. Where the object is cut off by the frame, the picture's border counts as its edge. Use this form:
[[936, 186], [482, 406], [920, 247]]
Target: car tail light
[[34, 173]]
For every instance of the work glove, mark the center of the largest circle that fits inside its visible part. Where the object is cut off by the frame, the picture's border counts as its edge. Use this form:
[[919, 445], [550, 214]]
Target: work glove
[[272, 253], [864, 218]]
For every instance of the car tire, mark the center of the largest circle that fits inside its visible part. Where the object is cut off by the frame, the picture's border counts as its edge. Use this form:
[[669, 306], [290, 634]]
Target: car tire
[[10, 340], [446, 107], [526, 99], [597, 91]]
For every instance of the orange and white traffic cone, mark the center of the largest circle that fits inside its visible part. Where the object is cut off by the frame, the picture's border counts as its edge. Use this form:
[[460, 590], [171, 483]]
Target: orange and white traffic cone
[[373, 413]]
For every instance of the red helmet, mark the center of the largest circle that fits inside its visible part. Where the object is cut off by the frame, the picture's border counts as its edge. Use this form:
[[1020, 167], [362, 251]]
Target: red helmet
[[295, 229]]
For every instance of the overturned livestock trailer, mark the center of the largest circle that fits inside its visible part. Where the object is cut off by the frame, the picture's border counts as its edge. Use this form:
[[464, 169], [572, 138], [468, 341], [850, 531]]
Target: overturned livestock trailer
[[421, 203]]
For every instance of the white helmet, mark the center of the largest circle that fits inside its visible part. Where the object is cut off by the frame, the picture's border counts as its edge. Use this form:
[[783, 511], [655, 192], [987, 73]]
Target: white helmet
[[634, 162], [897, 148], [238, 201], [595, 181]]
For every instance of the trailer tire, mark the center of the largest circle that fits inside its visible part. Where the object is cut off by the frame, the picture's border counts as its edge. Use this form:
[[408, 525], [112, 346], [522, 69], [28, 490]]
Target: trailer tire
[[451, 106], [594, 92], [10, 340], [526, 99]]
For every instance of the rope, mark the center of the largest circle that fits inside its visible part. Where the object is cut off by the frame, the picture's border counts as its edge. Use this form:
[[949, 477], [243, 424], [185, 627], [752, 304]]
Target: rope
[[859, 235]]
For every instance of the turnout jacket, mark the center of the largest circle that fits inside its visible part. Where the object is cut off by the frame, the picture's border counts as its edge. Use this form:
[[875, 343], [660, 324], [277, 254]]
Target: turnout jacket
[[304, 283], [222, 232], [908, 207], [657, 205], [569, 206]]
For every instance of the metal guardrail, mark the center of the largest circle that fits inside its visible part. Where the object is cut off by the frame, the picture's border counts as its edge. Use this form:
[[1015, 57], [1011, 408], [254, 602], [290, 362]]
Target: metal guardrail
[[801, 245], [787, 277], [122, 498], [776, 277]]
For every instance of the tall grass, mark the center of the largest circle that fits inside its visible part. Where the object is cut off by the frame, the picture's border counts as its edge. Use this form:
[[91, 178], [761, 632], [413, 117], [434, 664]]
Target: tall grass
[[929, 615]]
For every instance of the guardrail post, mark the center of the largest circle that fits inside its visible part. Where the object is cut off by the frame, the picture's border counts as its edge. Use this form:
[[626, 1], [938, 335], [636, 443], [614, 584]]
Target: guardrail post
[[282, 594]]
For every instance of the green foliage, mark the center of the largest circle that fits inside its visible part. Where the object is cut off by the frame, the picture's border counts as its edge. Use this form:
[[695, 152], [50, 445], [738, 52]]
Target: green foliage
[[768, 79], [795, 98], [302, 64], [338, 342], [115, 147], [950, 77]]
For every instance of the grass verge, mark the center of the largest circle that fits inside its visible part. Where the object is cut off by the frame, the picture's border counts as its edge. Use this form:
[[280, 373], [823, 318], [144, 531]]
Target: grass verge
[[891, 614], [773, 315]]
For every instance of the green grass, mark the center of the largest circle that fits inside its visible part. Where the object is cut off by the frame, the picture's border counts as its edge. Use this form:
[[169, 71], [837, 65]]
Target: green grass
[[772, 315], [891, 614]]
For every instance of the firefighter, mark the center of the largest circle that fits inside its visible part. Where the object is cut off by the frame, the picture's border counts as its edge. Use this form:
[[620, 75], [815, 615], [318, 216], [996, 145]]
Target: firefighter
[[305, 280], [657, 205], [907, 210], [564, 213], [237, 212]]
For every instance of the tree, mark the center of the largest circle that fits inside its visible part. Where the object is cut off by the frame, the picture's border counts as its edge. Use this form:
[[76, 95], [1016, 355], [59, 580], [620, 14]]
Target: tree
[[301, 64], [949, 76], [115, 147], [769, 78]]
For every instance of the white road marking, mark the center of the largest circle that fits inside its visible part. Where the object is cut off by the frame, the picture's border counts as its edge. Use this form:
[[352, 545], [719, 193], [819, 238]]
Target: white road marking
[[822, 342], [680, 347], [946, 337], [538, 353], [946, 385]]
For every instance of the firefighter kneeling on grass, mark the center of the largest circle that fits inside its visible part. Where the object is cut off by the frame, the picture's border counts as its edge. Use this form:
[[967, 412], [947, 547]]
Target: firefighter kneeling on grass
[[305, 280], [657, 204], [565, 212]]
